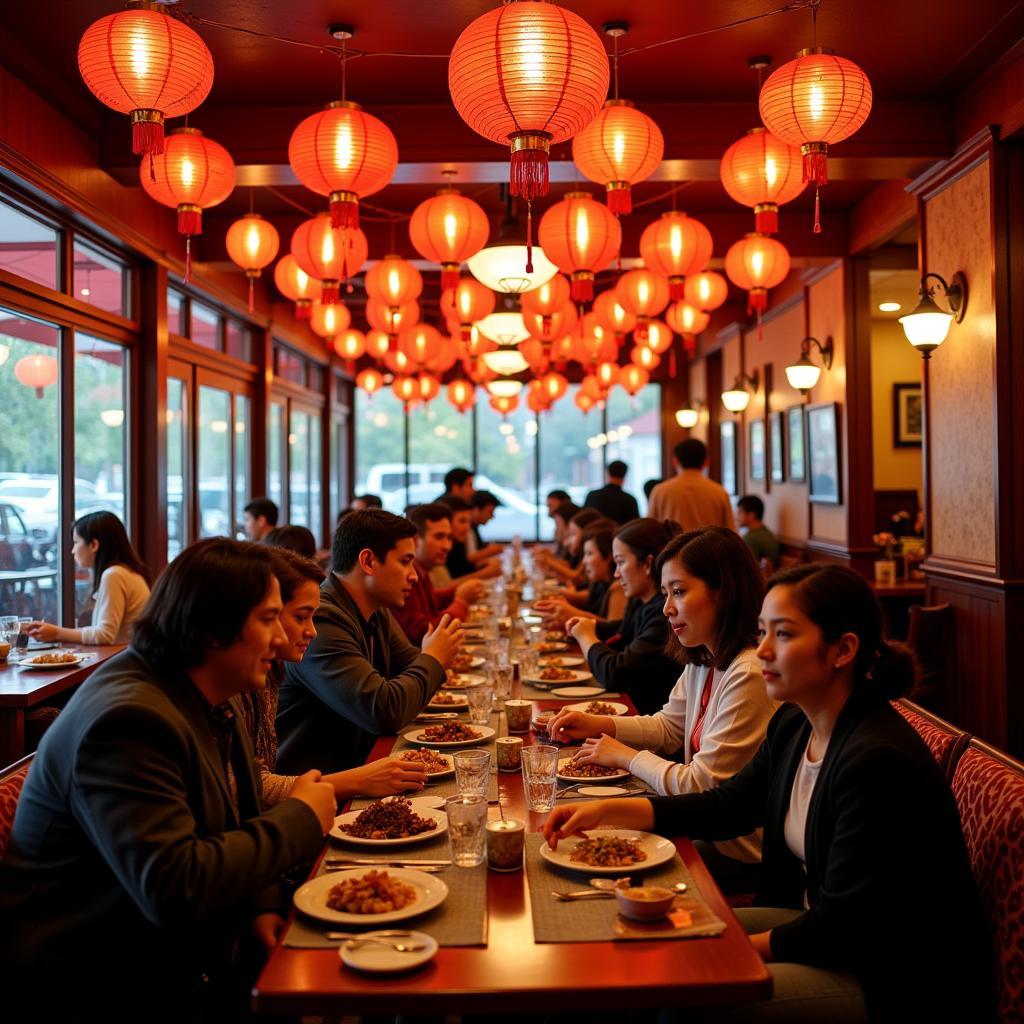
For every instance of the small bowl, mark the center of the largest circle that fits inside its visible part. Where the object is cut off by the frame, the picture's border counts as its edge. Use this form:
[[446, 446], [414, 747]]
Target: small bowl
[[5, 649], [645, 902]]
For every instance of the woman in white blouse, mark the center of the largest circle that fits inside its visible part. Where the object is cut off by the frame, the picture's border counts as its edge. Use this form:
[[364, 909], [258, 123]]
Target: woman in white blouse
[[120, 583], [718, 711]]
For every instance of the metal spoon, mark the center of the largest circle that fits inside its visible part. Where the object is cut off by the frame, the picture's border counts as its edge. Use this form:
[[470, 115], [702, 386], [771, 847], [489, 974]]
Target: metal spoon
[[610, 883]]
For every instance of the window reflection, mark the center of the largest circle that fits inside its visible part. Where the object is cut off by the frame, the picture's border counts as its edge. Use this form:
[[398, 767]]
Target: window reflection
[[242, 434], [177, 520], [205, 326], [275, 453], [101, 279], [214, 462], [28, 247], [507, 465]]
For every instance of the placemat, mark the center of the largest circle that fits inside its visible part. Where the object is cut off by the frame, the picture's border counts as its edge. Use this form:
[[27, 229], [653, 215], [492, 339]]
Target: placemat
[[599, 920], [460, 921]]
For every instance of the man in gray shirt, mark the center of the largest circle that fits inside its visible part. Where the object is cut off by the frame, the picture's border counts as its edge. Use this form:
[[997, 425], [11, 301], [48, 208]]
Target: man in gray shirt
[[360, 677]]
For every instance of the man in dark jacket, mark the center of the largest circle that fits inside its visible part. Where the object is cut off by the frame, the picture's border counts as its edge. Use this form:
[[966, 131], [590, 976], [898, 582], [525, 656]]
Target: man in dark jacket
[[140, 854], [611, 500], [360, 677]]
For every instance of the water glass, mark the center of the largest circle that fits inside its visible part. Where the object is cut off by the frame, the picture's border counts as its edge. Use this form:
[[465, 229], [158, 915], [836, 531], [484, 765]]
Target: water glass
[[481, 700], [467, 828], [529, 663], [22, 637], [8, 629], [489, 630], [472, 771], [540, 768], [501, 674], [499, 650]]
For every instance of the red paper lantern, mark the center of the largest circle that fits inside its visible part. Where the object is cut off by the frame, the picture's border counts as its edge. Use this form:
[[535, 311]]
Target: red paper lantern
[[594, 341], [345, 153], [606, 375], [466, 303], [580, 236], [370, 380], [421, 343], [327, 321], [391, 319], [762, 171], [329, 254], [706, 290], [541, 304], [590, 387], [619, 148], [429, 387], [644, 356], [295, 284], [554, 386], [377, 344], [37, 372], [252, 244], [536, 397], [398, 362], [192, 173], [584, 402], [613, 315], [658, 337], [474, 346], [528, 75], [813, 101], [504, 404], [145, 63], [461, 394], [350, 344], [757, 263], [448, 228], [405, 389], [633, 378], [674, 247], [686, 319], [446, 358], [394, 281], [550, 328], [644, 295], [537, 354]]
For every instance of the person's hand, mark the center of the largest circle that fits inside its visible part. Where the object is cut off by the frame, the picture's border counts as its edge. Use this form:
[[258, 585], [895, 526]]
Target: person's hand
[[382, 777], [577, 725], [606, 750], [318, 796], [582, 630], [444, 640], [267, 928], [762, 943], [42, 631], [573, 819], [469, 591], [556, 612]]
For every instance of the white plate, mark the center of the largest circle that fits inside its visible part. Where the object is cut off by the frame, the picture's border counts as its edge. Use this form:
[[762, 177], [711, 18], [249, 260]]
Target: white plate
[[576, 676], [578, 691], [311, 898], [602, 791], [619, 709], [532, 620], [658, 849], [462, 681], [377, 958], [561, 661], [618, 776], [423, 810], [475, 662], [551, 646], [432, 776], [460, 701], [486, 733], [50, 666]]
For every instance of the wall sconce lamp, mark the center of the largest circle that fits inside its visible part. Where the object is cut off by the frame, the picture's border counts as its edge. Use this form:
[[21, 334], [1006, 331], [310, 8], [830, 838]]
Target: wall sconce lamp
[[803, 374], [927, 326], [689, 416], [737, 398]]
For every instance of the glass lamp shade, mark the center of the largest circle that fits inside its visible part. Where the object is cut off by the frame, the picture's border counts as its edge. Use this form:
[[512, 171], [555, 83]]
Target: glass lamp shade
[[502, 268], [927, 326], [736, 399], [505, 388], [687, 418], [505, 361], [803, 374], [506, 328]]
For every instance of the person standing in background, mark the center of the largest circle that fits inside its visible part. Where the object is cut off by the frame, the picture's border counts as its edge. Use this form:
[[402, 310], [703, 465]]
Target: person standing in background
[[260, 517], [690, 498], [611, 500], [763, 544]]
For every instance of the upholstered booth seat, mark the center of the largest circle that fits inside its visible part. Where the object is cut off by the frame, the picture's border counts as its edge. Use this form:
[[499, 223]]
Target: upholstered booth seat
[[11, 781], [945, 741]]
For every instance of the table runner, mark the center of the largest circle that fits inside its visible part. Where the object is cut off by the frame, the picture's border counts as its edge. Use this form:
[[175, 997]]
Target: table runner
[[599, 920]]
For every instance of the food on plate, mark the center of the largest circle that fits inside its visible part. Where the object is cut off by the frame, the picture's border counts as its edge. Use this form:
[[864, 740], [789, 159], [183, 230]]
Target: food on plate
[[376, 892], [553, 674], [445, 698], [553, 636], [599, 707], [432, 761], [560, 662], [458, 682], [647, 893], [608, 852], [577, 770], [550, 645], [462, 661], [449, 732], [388, 819], [57, 658]]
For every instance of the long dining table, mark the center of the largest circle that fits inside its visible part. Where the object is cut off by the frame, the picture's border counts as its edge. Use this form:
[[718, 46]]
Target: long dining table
[[515, 973]]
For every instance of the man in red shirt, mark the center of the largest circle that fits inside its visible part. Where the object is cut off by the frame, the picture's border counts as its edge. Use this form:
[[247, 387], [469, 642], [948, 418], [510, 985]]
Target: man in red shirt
[[425, 605]]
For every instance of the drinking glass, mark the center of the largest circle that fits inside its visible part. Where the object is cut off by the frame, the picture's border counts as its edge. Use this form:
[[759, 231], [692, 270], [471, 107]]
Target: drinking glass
[[489, 630], [467, 822], [22, 638], [8, 629], [540, 768], [529, 663], [481, 700], [472, 771], [502, 677]]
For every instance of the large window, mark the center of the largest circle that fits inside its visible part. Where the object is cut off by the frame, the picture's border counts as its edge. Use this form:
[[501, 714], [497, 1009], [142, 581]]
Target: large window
[[275, 453], [28, 247], [177, 463], [633, 434], [214, 463], [439, 437], [304, 470], [380, 448], [101, 279], [567, 462]]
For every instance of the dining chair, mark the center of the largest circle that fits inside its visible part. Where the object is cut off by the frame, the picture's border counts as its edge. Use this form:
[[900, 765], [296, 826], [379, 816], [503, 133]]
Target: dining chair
[[930, 636]]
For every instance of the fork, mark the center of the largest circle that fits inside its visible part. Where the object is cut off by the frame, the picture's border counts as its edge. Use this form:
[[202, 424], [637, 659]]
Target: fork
[[353, 941], [582, 894]]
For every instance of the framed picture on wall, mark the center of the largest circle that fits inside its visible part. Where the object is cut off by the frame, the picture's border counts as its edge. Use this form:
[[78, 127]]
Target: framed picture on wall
[[906, 415], [775, 448], [757, 453], [823, 453], [727, 432], [795, 425]]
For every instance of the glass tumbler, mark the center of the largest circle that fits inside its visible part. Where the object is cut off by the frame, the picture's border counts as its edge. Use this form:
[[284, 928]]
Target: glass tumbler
[[472, 771], [540, 776], [467, 828], [502, 676], [481, 701]]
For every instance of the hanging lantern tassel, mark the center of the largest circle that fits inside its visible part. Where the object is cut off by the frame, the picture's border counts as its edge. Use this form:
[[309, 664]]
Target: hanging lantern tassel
[[766, 218], [672, 363], [757, 301], [817, 210], [528, 175], [188, 259], [252, 275], [449, 276], [816, 171], [529, 236], [582, 289], [147, 134], [330, 294], [344, 210], [190, 219], [303, 309], [620, 197], [677, 288], [690, 345]]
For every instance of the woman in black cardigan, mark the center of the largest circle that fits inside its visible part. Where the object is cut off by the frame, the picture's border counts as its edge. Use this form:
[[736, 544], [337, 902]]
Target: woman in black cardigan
[[877, 916], [635, 662]]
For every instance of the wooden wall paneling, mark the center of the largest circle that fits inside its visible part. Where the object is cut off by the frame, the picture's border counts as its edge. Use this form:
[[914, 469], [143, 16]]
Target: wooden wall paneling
[[716, 411], [675, 393], [881, 215]]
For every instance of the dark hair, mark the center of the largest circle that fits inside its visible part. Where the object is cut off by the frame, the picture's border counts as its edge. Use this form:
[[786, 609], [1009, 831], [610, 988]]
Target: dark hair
[[363, 528], [722, 560], [837, 600], [691, 453], [649, 486], [114, 546], [292, 570], [484, 499], [368, 500], [420, 515], [560, 495], [601, 537], [262, 507], [585, 516], [617, 469], [455, 503], [646, 537], [294, 538], [202, 599], [751, 503], [565, 511], [457, 477]]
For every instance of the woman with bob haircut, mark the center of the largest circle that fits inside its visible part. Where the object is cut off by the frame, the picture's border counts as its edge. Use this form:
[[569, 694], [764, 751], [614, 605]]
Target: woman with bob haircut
[[866, 908], [120, 583], [718, 711], [300, 579], [603, 597], [628, 654]]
